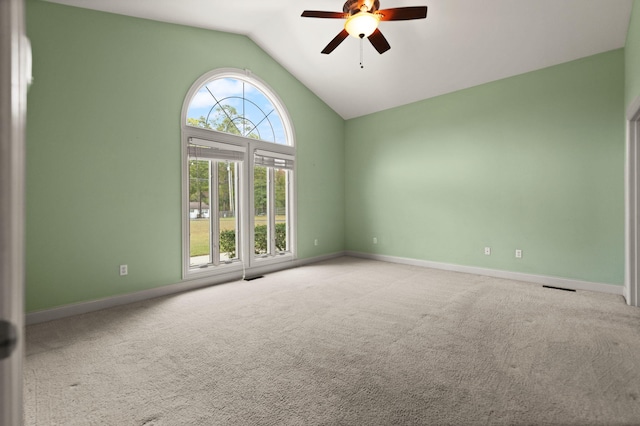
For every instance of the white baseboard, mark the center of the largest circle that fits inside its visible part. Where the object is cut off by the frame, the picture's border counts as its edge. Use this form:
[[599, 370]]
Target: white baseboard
[[516, 276], [185, 285], [627, 294]]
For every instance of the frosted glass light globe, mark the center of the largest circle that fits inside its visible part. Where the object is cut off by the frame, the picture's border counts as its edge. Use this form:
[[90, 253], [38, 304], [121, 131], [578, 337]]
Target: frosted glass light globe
[[362, 24]]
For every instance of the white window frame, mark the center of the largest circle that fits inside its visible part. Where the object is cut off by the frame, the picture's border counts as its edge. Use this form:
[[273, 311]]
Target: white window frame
[[271, 204], [215, 161], [247, 261]]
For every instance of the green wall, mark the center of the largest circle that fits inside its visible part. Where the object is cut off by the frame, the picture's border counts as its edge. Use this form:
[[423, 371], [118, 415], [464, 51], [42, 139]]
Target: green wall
[[103, 142], [632, 56], [534, 162]]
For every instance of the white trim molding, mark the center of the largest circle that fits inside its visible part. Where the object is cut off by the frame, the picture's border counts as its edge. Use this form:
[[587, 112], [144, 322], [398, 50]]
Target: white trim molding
[[185, 285], [237, 275], [632, 209], [15, 75], [496, 273]]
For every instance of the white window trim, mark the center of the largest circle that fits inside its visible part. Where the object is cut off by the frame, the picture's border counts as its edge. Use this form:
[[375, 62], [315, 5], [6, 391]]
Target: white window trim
[[216, 139]]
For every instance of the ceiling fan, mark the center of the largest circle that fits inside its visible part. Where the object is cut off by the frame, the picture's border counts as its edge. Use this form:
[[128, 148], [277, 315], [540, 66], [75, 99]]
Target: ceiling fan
[[363, 17]]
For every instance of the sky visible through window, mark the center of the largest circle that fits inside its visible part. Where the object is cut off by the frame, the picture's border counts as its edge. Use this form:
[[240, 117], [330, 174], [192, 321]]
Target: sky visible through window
[[235, 106]]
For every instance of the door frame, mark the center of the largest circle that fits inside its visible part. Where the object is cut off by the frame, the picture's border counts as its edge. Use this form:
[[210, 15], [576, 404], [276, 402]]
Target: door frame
[[15, 60], [632, 205]]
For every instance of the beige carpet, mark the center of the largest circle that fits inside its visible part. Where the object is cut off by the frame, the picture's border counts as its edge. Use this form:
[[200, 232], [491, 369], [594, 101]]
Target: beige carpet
[[344, 342]]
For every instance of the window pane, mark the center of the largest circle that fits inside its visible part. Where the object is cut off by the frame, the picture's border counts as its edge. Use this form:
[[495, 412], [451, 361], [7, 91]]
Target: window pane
[[233, 106], [199, 212], [260, 208], [227, 209], [281, 181]]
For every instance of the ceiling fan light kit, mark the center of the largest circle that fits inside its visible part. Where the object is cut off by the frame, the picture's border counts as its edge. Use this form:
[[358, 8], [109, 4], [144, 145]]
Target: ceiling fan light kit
[[362, 24], [362, 19]]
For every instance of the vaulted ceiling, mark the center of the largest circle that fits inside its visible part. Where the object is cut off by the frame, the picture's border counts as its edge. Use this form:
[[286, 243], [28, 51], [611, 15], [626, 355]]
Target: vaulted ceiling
[[461, 43]]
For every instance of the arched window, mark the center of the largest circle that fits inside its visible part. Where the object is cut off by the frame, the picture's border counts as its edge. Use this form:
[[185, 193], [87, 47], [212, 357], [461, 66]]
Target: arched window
[[236, 106], [238, 167]]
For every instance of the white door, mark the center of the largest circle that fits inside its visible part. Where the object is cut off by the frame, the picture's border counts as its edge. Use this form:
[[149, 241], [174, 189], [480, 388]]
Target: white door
[[15, 59]]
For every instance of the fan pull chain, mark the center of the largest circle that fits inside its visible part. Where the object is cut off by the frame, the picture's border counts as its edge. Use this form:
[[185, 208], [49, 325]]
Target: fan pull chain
[[361, 50]]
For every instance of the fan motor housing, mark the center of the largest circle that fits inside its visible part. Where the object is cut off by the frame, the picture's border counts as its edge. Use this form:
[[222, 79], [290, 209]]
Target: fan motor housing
[[354, 6]]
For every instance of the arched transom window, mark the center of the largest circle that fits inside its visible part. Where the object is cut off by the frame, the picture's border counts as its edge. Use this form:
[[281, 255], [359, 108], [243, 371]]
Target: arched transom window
[[236, 106]]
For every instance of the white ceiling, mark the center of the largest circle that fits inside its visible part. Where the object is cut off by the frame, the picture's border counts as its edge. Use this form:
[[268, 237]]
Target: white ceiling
[[462, 43]]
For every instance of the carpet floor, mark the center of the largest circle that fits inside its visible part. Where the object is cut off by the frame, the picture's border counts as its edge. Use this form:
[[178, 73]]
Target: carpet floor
[[343, 342]]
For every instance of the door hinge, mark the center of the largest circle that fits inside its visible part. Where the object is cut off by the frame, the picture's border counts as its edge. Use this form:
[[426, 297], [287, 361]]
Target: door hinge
[[8, 338]]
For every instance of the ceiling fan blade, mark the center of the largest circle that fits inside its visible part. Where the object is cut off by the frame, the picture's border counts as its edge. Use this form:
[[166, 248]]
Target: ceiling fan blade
[[335, 42], [379, 41], [321, 14], [403, 13]]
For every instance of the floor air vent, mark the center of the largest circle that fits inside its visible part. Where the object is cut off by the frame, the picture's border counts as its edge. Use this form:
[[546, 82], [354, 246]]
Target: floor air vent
[[558, 288], [253, 278]]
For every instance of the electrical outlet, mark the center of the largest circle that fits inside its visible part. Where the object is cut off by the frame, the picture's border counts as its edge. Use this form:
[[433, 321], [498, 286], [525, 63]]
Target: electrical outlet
[[124, 270], [518, 253], [375, 240], [315, 242], [487, 251]]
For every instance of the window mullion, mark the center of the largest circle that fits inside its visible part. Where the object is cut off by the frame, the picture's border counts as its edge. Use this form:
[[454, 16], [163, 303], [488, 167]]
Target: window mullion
[[271, 211], [287, 209], [249, 197], [237, 210], [214, 207]]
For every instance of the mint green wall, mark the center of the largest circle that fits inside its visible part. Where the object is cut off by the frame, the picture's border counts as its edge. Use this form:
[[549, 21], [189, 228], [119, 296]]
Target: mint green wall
[[632, 56], [103, 141], [533, 162]]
